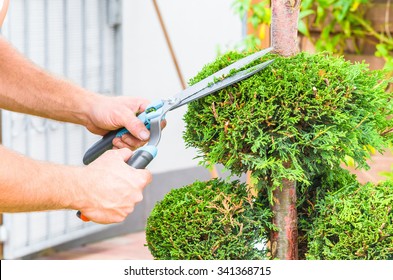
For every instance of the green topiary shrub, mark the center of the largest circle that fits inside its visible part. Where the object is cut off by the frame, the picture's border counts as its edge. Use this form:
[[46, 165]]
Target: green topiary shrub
[[339, 219], [209, 220], [296, 120], [300, 116], [353, 223]]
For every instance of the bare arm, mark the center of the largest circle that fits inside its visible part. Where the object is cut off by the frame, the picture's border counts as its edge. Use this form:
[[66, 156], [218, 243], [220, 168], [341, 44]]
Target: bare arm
[[106, 190], [26, 88], [21, 181], [102, 195]]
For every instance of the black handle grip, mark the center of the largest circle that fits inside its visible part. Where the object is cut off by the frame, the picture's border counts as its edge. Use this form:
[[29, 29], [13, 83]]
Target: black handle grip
[[100, 147], [140, 159]]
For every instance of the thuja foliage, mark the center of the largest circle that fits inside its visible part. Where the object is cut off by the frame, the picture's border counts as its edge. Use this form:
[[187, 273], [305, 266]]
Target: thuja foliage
[[294, 119], [339, 219], [209, 220], [353, 222], [309, 195]]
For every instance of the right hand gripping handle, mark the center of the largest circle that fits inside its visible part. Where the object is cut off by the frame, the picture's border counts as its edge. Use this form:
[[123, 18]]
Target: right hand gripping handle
[[139, 160]]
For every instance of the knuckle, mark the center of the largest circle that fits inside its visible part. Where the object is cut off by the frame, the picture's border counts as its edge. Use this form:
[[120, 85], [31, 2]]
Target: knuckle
[[119, 219], [131, 142], [130, 210], [121, 216], [109, 153], [145, 179], [136, 123], [138, 197]]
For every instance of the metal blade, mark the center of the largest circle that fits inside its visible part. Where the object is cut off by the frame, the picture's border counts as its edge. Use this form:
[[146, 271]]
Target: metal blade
[[225, 83], [223, 72]]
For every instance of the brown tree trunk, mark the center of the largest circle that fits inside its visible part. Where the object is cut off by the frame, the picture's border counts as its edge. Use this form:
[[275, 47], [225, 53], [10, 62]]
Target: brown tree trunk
[[284, 242], [285, 14]]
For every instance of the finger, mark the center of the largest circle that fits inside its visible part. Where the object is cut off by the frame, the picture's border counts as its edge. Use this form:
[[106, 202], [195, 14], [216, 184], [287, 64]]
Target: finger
[[124, 153], [145, 178], [137, 128], [163, 124], [127, 141], [97, 130], [138, 104], [118, 144], [132, 141], [143, 105]]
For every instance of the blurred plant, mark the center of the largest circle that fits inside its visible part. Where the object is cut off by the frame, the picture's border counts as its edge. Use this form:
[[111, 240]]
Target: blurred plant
[[258, 15], [340, 21]]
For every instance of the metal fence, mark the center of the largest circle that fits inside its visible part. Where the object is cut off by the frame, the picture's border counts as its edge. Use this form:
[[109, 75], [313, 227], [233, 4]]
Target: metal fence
[[79, 39]]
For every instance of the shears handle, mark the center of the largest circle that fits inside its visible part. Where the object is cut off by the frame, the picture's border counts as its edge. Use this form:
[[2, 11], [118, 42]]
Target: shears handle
[[142, 156], [101, 146], [105, 144], [139, 160]]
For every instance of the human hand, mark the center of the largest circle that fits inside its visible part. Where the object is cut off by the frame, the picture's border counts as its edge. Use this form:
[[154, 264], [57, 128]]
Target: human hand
[[110, 188], [110, 113]]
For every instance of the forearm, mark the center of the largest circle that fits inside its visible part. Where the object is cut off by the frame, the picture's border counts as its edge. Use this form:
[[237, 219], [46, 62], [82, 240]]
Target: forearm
[[28, 185], [26, 88]]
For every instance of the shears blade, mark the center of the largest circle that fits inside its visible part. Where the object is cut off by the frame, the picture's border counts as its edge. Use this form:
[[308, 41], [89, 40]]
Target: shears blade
[[237, 65], [244, 74]]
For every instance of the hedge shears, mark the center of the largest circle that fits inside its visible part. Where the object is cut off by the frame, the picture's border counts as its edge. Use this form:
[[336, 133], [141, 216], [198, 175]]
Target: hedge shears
[[156, 111]]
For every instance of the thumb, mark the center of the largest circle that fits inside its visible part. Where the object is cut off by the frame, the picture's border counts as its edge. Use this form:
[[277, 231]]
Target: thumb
[[137, 128]]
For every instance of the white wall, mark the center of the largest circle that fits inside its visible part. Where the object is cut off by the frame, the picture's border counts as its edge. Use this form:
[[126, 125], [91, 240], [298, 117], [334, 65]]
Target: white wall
[[197, 29]]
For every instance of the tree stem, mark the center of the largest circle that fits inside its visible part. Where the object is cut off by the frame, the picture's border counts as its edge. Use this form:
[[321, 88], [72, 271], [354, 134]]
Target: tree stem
[[285, 15], [284, 242]]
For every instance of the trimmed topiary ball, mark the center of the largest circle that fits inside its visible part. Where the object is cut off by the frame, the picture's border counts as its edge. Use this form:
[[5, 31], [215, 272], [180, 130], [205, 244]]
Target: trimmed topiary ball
[[209, 220], [292, 120], [353, 223]]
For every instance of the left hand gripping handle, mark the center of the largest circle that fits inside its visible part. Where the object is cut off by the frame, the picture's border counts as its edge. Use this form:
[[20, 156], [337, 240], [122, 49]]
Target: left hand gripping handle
[[105, 143]]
